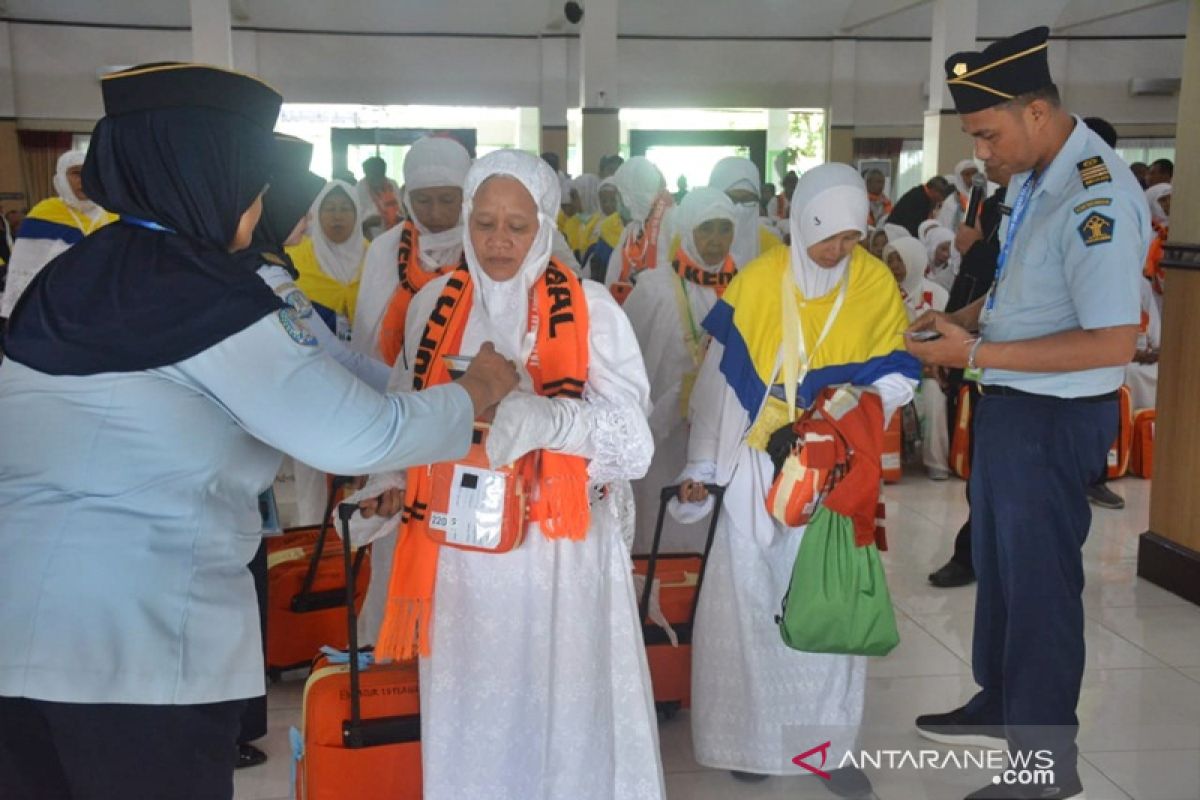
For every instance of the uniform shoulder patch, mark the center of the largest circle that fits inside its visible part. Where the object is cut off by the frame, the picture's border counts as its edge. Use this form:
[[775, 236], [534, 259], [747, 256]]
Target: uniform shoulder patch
[[1095, 202], [299, 301], [1093, 171], [1096, 229], [290, 320]]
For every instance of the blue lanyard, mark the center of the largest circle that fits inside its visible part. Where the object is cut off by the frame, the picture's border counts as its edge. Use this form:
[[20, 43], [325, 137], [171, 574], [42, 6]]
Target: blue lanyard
[[145, 223], [1018, 216]]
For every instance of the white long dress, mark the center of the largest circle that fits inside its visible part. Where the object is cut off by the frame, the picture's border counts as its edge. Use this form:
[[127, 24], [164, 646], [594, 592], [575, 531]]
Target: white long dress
[[537, 687], [756, 703], [667, 340]]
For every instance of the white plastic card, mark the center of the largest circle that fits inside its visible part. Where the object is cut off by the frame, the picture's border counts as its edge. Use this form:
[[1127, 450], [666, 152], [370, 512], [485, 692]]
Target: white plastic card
[[475, 517]]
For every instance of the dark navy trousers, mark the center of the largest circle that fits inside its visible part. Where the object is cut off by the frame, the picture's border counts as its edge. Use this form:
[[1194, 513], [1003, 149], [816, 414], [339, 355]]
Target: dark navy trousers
[[1034, 459]]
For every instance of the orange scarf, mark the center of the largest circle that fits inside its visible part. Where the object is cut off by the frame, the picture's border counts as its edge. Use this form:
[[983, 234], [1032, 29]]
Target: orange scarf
[[558, 314], [412, 279], [690, 271], [642, 253], [1153, 270], [872, 200]]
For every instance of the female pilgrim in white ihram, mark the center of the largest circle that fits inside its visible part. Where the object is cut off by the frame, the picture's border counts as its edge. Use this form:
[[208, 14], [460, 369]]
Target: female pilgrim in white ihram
[[666, 309], [537, 686], [942, 257], [752, 696], [646, 239], [738, 178], [955, 207], [434, 170], [906, 259]]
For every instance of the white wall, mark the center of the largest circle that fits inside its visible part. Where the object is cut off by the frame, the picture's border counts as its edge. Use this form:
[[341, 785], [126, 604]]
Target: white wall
[[55, 71]]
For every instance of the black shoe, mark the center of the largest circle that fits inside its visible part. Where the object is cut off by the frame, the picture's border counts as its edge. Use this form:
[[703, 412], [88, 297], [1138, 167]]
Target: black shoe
[[1100, 495], [249, 756], [957, 727], [997, 792], [952, 574], [748, 777], [849, 782]]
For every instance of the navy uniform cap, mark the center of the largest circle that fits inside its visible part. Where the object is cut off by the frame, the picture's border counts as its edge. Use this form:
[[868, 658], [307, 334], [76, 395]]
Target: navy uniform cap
[[1004, 70], [153, 87]]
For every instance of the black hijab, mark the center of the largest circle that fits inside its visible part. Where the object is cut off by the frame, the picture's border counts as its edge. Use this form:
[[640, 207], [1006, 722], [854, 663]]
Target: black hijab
[[293, 189], [181, 161]]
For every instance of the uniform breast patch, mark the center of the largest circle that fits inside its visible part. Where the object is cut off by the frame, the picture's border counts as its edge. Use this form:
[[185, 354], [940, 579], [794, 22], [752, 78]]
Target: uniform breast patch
[[1093, 171], [1095, 202], [1096, 229], [290, 320]]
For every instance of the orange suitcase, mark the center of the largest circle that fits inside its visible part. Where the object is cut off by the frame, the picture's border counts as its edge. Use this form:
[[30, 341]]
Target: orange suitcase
[[306, 595], [680, 577], [361, 722], [1142, 460], [1119, 455], [893, 449], [960, 439]]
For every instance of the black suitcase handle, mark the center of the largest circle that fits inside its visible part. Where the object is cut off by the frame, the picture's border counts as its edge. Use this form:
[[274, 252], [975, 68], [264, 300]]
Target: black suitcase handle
[[665, 496], [306, 599], [356, 731]]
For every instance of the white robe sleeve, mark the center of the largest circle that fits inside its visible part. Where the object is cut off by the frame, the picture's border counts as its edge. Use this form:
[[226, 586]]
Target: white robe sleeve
[[27, 259], [379, 281], [610, 429], [614, 259], [290, 395]]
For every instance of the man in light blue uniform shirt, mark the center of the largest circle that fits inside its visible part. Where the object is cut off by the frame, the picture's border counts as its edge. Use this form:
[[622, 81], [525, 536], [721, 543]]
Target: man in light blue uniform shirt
[[1053, 337]]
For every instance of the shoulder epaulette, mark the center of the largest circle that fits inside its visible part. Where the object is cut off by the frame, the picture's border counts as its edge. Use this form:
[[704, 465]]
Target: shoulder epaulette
[[1093, 171]]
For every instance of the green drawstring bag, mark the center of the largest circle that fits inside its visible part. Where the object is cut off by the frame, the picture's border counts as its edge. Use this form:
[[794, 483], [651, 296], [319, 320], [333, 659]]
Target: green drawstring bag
[[838, 600]]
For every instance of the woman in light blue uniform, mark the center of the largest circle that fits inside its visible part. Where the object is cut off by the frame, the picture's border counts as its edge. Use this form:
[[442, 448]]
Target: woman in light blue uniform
[[153, 379]]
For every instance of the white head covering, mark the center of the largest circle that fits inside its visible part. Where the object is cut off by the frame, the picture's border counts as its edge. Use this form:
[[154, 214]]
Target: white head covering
[[894, 232], [957, 178], [698, 207], [502, 307], [934, 239], [639, 183], [588, 187], [925, 227], [913, 255], [432, 162], [731, 174], [1153, 195], [829, 199], [71, 158], [339, 261]]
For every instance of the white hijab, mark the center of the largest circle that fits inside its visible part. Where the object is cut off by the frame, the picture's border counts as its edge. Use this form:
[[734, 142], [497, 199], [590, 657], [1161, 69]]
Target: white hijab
[[502, 307], [72, 158], [698, 207], [339, 261], [1153, 195], [829, 199], [588, 187], [639, 183], [960, 183], [432, 162], [731, 174], [934, 238], [924, 228], [913, 255]]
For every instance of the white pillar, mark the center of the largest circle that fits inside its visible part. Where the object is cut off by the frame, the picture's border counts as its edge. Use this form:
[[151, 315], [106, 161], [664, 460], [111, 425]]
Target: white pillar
[[212, 33], [840, 143], [955, 26], [553, 98], [598, 82]]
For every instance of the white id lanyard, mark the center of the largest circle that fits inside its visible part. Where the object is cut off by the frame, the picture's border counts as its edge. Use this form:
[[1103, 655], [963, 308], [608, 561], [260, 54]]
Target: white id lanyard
[[795, 371]]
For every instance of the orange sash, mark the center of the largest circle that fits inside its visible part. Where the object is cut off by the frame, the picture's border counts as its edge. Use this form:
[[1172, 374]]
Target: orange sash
[[690, 271], [1153, 270], [872, 200], [642, 253], [412, 278], [558, 315]]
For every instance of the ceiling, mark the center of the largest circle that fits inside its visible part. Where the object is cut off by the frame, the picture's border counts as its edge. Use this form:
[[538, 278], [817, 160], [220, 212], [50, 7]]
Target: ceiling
[[724, 18]]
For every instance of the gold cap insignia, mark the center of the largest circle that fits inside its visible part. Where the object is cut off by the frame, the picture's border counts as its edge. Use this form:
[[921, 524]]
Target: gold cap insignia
[[960, 69]]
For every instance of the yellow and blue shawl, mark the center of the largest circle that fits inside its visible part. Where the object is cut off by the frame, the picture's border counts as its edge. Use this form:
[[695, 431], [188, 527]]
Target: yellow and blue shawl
[[865, 343]]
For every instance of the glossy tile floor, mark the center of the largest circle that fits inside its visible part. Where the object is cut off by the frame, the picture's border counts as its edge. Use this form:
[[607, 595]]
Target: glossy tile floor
[[1140, 709]]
